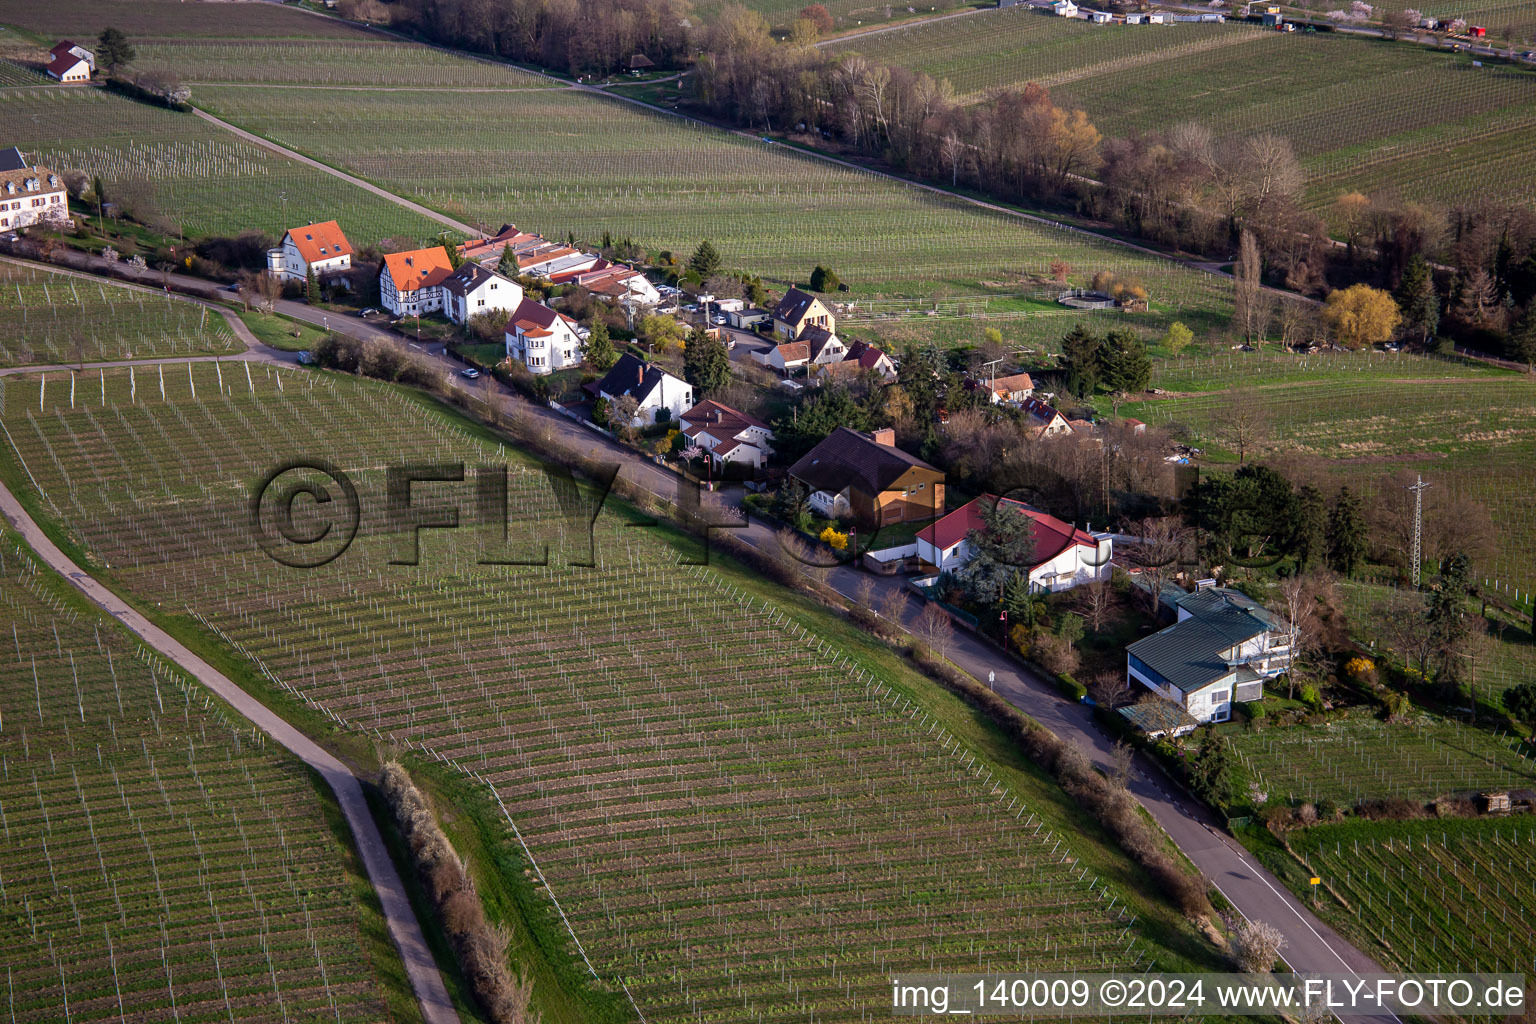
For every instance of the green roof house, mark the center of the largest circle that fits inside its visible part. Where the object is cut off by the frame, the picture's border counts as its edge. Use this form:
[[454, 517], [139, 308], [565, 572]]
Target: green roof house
[[1222, 648]]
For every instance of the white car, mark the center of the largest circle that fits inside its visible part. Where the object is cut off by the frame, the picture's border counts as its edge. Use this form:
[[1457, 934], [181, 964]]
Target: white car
[[469, 374], [794, 387]]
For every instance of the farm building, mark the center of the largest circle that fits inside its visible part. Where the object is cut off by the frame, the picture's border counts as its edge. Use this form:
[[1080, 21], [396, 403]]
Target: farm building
[[1222, 648], [29, 194], [1065, 557], [321, 247], [411, 283], [798, 310], [729, 435], [541, 339], [472, 290], [71, 63], [865, 476], [1010, 390], [660, 395]]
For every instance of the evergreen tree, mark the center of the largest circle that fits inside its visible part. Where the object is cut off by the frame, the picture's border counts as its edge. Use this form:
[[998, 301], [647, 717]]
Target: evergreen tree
[[1002, 548], [607, 241], [311, 286], [1125, 363], [831, 407], [923, 380], [705, 261], [1445, 614], [823, 280], [706, 363], [1520, 702], [1419, 301], [507, 265], [1311, 529], [1210, 771], [598, 349], [1346, 533], [756, 293], [789, 503], [1081, 358], [1522, 340], [1018, 602], [114, 51]]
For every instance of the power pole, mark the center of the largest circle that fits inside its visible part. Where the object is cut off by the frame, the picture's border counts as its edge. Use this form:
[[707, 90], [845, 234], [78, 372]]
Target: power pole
[[1416, 556]]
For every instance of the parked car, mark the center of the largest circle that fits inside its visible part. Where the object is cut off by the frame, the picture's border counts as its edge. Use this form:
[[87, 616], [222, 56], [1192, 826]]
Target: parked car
[[470, 373], [370, 311], [719, 321]]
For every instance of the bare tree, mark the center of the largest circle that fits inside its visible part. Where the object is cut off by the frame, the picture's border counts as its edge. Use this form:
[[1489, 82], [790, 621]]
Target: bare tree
[[1158, 553], [271, 288], [935, 630], [1245, 429], [864, 591], [1096, 604], [1298, 605], [894, 606], [1295, 319], [1121, 760], [1247, 285]]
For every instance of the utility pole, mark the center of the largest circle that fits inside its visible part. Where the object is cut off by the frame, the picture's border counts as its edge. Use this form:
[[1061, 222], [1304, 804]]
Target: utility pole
[[1416, 555]]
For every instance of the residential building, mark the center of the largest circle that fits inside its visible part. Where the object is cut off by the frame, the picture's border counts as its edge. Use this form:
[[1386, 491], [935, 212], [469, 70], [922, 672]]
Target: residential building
[[472, 290], [867, 357], [30, 194], [1012, 389], [729, 435], [1222, 649], [798, 310], [1042, 419], [822, 346], [864, 476], [1064, 556], [489, 249], [612, 281], [411, 283], [660, 395], [542, 339], [70, 63], [321, 247], [791, 355]]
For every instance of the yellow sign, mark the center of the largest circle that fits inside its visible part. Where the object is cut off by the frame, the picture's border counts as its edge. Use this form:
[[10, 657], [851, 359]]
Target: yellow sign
[[1315, 880]]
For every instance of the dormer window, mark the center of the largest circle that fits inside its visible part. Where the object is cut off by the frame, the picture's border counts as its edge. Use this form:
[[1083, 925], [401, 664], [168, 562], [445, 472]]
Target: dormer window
[[53, 181], [10, 187]]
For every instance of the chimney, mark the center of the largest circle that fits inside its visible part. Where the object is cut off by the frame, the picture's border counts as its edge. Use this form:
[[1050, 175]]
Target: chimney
[[885, 437], [639, 375]]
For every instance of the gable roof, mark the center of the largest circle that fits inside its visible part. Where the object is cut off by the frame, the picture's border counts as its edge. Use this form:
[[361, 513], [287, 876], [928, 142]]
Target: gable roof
[[632, 376], [64, 63], [470, 276], [849, 458], [323, 241], [533, 316], [719, 419], [1013, 382], [818, 338], [1188, 653], [12, 160], [865, 355], [794, 352], [419, 268], [1052, 536], [793, 306], [1041, 412]]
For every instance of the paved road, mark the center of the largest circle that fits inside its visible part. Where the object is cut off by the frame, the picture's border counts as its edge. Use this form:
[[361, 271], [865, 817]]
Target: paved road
[[436, 1007]]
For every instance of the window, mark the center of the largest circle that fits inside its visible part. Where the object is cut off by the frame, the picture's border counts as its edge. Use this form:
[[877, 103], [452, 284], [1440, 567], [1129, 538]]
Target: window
[[5, 222], [921, 486]]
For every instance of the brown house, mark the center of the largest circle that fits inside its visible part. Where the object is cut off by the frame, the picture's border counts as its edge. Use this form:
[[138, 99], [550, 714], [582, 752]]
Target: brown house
[[865, 477]]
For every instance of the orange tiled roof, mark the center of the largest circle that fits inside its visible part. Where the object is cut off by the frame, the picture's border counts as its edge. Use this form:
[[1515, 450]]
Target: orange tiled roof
[[323, 241], [419, 268]]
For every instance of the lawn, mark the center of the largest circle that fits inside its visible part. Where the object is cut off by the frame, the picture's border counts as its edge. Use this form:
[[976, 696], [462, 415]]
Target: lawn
[[281, 332], [1338, 99], [48, 317], [746, 809], [176, 166], [161, 859], [562, 162]]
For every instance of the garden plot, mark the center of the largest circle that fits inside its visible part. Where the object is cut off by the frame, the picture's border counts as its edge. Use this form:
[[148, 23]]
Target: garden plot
[[559, 162], [177, 166], [47, 317], [158, 860], [738, 822], [1364, 759], [1454, 895]]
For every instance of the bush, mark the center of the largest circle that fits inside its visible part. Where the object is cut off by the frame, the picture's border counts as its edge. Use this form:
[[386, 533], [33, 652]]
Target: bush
[[1054, 654], [1071, 687], [1255, 945], [1311, 698]]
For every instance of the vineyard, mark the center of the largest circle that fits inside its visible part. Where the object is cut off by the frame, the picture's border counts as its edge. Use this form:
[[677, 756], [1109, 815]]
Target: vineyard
[[158, 861], [1338, 99], [142, 19], [204, 180], [1361, 758], [736, 819], [560, 161], [367, 60], [1454, 895], [54, 318]]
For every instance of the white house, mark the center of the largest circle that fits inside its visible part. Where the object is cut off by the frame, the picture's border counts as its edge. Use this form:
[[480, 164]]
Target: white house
[[1099, 17], [30, 195], [71, 63], [411, 283], [472, 290], [660, 395], [541, 339], [1064, 556], [729, 435], [319, 247], [613, 281], [1222, 648], [784, 358], [824, 346], [1065, 8], [1043, 419]]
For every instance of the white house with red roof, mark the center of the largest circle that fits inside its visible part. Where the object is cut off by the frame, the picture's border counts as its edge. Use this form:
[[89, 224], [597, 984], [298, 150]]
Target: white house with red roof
[[70, 63], [542, 339], [319, 247], [1044, 420], [729, 435], [1065, 557], [411, 283], [611, 280]]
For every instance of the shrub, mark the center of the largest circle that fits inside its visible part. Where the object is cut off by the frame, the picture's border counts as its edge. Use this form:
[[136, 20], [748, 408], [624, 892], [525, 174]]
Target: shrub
[[1254, 945], [1311, 698], [1071, 687], [832, 538], [1054, 654]]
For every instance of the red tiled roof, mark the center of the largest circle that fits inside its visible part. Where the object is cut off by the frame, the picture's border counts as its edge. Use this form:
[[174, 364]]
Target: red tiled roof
[[727, 422], [795, 351], [1052, 536], [323, 241], [1017, 382], [63, 62]]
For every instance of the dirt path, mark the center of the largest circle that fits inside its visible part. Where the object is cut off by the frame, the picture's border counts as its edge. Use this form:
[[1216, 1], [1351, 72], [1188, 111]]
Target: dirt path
[[426, 982]]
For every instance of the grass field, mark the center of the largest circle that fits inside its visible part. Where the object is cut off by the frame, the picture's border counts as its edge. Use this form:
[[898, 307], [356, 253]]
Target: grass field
[[743, 811], [1361, 758], [560, 161], [160, 861], [55, 318], [201, 178], [1452, 895], [1340, 100]]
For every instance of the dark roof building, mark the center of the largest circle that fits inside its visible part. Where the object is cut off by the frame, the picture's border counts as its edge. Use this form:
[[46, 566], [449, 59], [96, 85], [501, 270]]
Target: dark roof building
[[868, 477]]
